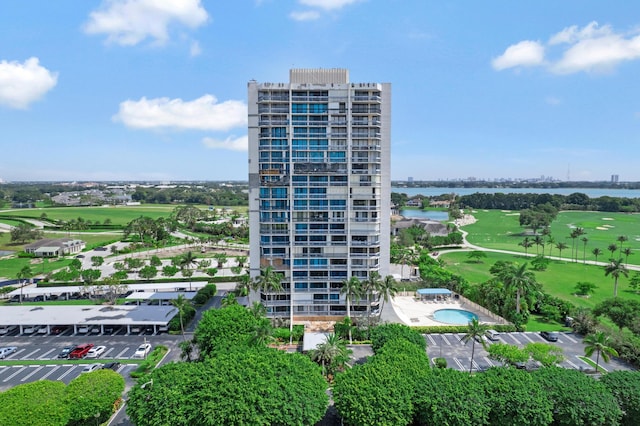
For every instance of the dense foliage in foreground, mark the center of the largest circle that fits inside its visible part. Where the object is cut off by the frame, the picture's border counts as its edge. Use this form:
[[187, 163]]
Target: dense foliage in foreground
[[88, 399], [236, 380], [397, 387]]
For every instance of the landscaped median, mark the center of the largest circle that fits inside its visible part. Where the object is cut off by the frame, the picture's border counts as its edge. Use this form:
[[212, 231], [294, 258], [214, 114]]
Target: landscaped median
[[147, 365], [11, 362]]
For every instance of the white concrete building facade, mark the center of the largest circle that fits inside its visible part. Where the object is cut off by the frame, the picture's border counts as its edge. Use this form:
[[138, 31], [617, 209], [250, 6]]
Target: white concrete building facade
[[319, 187]]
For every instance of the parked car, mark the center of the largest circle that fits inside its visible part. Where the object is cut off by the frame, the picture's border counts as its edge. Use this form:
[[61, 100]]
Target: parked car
[[64, 353], [80, 351], [492, 335], [58, 329], [83, 329], [91, 368], [43, 329], [96, 352], [5, 352], [28, 329], [551, 336], [142, 351], [6, 329], [112, 365]]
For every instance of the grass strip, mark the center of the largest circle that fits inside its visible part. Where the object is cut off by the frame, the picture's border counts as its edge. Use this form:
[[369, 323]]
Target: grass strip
[[12, 362], [593, 364]]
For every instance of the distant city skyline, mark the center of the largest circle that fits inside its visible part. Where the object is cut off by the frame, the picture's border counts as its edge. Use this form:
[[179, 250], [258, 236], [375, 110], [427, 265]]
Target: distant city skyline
[[155, 90]]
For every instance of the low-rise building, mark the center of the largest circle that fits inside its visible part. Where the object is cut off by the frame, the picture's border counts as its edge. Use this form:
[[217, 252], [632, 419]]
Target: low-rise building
[[48, 247]]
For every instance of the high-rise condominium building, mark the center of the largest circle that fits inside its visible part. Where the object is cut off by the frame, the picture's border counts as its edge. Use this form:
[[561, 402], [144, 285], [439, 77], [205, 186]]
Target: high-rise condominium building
[[319, 188]]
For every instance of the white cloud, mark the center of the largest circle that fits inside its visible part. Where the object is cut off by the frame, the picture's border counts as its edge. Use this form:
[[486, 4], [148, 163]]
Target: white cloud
[[598, 54], [308, 15], [328, 4], [203, 113], [231, 143], [524, 54], [22, 84], [592, 48], [128, 22], [573, 33]]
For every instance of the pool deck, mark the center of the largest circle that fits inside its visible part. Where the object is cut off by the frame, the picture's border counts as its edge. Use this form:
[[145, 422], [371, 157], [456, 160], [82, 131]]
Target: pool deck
[[416, 312]]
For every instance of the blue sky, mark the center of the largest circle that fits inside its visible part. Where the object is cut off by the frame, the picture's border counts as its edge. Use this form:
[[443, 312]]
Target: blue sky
[[156, 89]]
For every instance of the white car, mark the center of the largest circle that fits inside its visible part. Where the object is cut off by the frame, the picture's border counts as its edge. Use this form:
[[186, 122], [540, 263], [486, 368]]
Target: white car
[[142, 350], [96, 352], [28, 329], [5, 352], [91, 367]]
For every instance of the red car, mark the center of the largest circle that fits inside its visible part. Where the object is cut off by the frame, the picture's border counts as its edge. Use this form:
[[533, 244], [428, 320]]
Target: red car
[[80, 351]]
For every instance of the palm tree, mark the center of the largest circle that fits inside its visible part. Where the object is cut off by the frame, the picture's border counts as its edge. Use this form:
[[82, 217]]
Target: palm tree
[[332, 354], [627, 252], [244, 285], [24, 274], [181, 303], [371, 286], [615, 268], [561, 246], [258, 310], [517, 278], [388, 290], [187, 261], [599, 343], [578, 232], [475, 332], [241, 260], [262, 333], [612, 248], [596, 252], [526, 243], [573, 236], [270, 281], [351, 288], [539, 241], [551, 241], [228, 300], [622, 239], [584, 249]]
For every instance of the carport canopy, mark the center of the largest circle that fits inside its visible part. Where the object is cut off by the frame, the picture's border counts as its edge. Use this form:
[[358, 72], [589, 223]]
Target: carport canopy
[[422, 292]]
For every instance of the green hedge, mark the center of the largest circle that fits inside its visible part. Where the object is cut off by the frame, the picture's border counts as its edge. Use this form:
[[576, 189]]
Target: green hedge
[[210, 280], [440, 329]]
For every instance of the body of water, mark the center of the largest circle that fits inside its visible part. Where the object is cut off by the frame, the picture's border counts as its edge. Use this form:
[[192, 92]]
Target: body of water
[[422, 214], [590, 192]]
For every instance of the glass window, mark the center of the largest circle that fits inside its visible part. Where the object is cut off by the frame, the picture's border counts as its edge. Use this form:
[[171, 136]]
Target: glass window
[[337, 156], [279, 132], [299, 108]]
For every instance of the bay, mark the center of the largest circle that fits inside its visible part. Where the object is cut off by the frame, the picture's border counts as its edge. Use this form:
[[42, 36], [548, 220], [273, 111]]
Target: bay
[[590, 192]]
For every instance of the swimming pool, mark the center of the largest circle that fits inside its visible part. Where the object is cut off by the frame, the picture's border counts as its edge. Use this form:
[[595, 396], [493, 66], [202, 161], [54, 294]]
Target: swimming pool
[[454, 316]]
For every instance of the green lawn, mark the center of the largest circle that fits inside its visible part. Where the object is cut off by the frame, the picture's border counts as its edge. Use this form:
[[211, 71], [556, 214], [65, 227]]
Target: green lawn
[[558, 280], [501, 230], [10, 267], [119, 215]]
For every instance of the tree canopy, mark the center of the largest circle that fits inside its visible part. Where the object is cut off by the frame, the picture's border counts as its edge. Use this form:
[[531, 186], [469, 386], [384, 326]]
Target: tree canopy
[[241, 386]]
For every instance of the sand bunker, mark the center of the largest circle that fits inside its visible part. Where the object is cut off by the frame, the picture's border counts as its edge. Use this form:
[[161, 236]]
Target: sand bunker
[[512, 214], [602, 228], [608, 218]]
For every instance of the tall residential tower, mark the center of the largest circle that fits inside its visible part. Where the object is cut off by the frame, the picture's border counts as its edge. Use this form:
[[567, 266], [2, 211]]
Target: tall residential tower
[[319, 187]]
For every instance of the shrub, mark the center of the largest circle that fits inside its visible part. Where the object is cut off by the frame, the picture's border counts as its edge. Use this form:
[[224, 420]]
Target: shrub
[[382, 334], [440, 362]]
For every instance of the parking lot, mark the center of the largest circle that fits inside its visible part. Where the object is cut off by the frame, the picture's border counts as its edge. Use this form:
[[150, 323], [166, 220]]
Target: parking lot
[[458, 354], [43, 348]]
